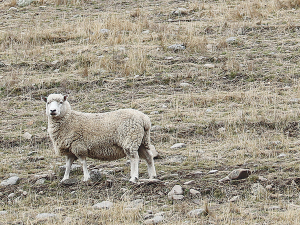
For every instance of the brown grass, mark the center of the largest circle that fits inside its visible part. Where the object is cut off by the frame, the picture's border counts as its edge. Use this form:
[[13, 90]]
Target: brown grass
[[241, 113]]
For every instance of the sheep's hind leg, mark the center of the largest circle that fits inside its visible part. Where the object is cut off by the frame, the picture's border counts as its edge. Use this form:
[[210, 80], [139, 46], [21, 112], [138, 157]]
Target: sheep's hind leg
[[134, 167], [86, 175], [69, 162], [146, 153]]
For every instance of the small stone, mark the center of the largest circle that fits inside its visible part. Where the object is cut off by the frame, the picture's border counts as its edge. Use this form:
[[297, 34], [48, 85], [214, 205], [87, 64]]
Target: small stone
[[146, 32], [104, 31], [13, 9], [189, 182], [27, 135], [234, 198], [261, 178], [212, 171], [103, 205], [209, 110], [176, 197], [258, 190], [225, 179], [178, 145], [185, 85], [209, 65], [40, 181], [3, 212], [46, 216], [231, 40], [269, 187], [282, 155], [221, 129], [197, 174], [176, 190], [176, 47], [11, 195], [155, 220], [274, 207], [24, 193], [69, 182], [181, 11], [95, 175], [10, 181], [239, 174], [197, 213], [32, 153], [194, 192], [154, 112]]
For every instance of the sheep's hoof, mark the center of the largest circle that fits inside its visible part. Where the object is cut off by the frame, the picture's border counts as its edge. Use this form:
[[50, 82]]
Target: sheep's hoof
[[134, 180]]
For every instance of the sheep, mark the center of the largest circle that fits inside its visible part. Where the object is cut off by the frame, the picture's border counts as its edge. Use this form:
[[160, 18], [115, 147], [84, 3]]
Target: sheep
[[104, 136]]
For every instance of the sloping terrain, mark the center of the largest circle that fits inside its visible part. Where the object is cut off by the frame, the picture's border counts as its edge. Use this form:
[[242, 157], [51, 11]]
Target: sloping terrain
[[220, 76]]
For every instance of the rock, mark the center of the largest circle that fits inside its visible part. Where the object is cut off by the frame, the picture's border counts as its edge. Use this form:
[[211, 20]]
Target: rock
[[274, 207], [269, 187], [234, 198], [75, 168], [3, 212], [176, 47], [13, 9], [95, 175], [155, 220], [146, 32], [225, 179], [156, 128], [197, 213], [178, 145], [32, 153], [104, 31], [27, 135], [194, 192], [231, 40], [46, 216], [103, 205], [197, 174], [10, 181], [221, 129], [239, 174], [282, 155], [189, 182], [185, 85], [11, 195], [69, 182], [176, 193], [212, 171], [176, 197], [154, 112], [209, 110], [24, 2], [181, 12], [261, 178], [258, 190], [40, 181], [209, 65], [169, 176]]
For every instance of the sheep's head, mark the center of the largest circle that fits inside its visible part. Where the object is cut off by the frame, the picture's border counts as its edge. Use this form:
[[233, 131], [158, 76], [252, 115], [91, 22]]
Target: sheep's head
[[57, 105]]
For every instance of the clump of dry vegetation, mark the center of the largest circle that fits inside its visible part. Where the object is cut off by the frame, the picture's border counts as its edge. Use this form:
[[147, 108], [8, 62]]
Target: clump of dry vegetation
[[231, 94]]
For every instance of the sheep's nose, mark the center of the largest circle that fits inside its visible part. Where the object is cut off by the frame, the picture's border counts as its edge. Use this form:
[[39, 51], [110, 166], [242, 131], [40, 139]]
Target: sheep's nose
[[52, 111]]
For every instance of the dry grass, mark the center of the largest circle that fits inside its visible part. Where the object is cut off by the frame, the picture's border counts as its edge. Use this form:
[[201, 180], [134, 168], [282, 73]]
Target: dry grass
[[242, 112]]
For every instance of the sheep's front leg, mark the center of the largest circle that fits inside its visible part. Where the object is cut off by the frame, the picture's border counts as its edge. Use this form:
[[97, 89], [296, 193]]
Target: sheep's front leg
[[134, 167], [69, 162], [86, 175]]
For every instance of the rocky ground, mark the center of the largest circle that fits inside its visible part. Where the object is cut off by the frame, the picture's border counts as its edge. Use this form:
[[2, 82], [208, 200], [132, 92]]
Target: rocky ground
[[219, 80]]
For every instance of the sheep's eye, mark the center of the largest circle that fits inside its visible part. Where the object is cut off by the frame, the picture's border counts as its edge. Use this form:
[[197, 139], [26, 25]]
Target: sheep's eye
[[61, 102]]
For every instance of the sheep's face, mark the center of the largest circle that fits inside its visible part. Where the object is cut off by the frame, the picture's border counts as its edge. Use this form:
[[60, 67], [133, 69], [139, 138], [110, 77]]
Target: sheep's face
[[57, 105]]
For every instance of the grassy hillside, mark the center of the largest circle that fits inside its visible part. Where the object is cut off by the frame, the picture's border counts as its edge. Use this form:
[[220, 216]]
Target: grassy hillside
[[229, 90]]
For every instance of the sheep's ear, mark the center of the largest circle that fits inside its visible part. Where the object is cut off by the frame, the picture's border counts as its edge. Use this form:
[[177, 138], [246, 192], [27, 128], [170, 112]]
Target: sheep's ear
[[65, 97], [44, 98]]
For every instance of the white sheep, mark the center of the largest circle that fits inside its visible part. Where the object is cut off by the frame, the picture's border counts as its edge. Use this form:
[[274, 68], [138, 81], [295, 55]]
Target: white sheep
[[105, 136]]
